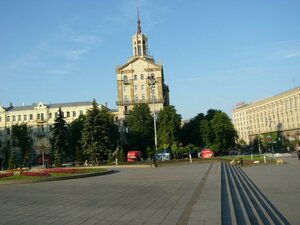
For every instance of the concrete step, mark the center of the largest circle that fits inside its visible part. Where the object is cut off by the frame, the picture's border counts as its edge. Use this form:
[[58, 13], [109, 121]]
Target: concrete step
[[242, 202]]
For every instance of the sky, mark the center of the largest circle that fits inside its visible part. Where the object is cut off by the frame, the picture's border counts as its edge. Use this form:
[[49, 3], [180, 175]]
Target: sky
[[215, 53]]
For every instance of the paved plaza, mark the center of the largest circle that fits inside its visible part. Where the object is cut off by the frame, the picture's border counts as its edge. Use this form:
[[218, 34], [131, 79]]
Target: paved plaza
[[183, 194]]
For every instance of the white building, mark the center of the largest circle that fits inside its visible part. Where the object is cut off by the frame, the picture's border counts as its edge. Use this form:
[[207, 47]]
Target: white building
[[277, 114], [133, 78], [39, 118]]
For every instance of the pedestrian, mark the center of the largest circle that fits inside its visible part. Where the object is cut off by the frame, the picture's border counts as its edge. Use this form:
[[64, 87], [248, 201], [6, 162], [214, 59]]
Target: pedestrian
[[298, 154]]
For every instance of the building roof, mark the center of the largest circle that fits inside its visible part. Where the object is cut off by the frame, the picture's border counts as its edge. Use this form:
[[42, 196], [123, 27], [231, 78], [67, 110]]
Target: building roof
[[268, 99], [50, 105]]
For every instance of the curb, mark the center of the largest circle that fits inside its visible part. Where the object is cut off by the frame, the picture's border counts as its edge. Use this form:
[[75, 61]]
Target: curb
[[76, 176]]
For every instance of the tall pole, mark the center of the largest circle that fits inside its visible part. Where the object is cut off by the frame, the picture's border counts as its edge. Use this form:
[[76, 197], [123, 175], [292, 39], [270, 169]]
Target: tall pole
[[152, 83]]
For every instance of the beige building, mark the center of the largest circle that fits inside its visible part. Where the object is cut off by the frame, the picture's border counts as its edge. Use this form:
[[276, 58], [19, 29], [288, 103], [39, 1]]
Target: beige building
[[133, 78], [39, 117], [279, 114]]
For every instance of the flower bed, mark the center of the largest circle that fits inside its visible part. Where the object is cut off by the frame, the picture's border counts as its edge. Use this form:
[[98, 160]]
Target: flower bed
[[36, 173], [63, 170], [9, 174]]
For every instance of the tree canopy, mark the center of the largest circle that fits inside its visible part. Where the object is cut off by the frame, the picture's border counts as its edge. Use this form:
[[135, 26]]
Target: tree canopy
[[169, 122], [75, 129], [21, 136], [99, 133], [141, 128], [219, 132], [190, 132], [59, 137]]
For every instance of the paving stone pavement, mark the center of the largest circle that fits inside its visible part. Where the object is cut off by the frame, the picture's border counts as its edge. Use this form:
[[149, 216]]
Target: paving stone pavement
[[131, 196], [144, 196]]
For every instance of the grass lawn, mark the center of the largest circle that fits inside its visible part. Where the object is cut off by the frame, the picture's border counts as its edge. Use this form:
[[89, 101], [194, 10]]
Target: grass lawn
[[60, 174]]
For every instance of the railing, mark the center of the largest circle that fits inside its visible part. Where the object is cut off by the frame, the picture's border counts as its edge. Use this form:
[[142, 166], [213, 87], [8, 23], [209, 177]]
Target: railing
[[132, 102], [41, 121]]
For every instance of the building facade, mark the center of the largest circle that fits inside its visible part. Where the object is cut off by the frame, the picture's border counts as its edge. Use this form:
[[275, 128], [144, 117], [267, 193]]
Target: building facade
[[133, 79], [276, 117], [39, 118]]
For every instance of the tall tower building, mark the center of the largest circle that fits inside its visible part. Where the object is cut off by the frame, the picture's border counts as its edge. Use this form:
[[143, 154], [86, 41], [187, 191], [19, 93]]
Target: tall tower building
[[133, 78]]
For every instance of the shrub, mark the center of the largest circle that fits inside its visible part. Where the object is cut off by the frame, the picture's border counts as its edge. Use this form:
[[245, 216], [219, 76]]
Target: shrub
[[12, 161]]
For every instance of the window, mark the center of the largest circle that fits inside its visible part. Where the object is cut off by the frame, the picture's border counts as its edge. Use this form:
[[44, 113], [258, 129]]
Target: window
[[19, 117], [125, 88], [142, 87], [81, 112], [14, 118], [143, 97], [74, 113], [125, 79], [0, 119], [42, 116], [55, 115], [30, 116], [68, 114], [25, 117], [38, 116], [135, 77], [136, 98], [135, 87], [50, 115], [142, 76]]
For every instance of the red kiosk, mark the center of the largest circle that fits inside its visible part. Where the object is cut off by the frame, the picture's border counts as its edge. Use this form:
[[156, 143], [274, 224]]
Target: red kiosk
[[134, 156]]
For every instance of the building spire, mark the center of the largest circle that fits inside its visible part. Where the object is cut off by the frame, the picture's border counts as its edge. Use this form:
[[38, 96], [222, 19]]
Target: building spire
[[139, 29]]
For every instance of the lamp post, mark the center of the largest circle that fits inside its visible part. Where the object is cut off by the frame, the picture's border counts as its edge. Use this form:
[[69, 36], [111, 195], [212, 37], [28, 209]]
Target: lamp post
[[270, 125], [248, 127], [259, 148], [152, 89]]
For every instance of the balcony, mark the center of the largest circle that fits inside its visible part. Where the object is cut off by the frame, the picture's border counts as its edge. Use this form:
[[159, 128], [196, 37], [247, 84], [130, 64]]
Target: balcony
[[132, 102], [40, 120]]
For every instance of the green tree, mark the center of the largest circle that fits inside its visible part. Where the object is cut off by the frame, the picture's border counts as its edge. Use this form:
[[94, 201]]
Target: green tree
[[169, 122], [59, 138], [99, 134], [224, 132], [75, 130], [21, 136], [12, 161], [141, 128], [207, 133], [211, 113], [190, 133]]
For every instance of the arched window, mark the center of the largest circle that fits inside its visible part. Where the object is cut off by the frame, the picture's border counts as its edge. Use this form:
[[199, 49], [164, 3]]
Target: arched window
[[125, 79]]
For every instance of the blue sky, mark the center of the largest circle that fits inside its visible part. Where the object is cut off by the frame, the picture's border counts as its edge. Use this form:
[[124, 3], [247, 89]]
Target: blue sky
[[215, 53]]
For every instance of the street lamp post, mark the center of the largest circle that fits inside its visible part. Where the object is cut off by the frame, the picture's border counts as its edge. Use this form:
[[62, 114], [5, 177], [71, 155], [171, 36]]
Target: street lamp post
[[259, 148], [249, 142], [270, 124], [152, 88]]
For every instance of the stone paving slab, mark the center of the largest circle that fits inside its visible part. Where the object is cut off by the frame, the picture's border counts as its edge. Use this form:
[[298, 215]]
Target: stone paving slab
[[131, 196], [143, 196], [281, 184], [207, 209]]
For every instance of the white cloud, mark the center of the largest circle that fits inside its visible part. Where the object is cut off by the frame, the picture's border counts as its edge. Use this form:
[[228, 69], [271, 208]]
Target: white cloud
[[75, 54], [292, 55], [85, 38], [64, 70]]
